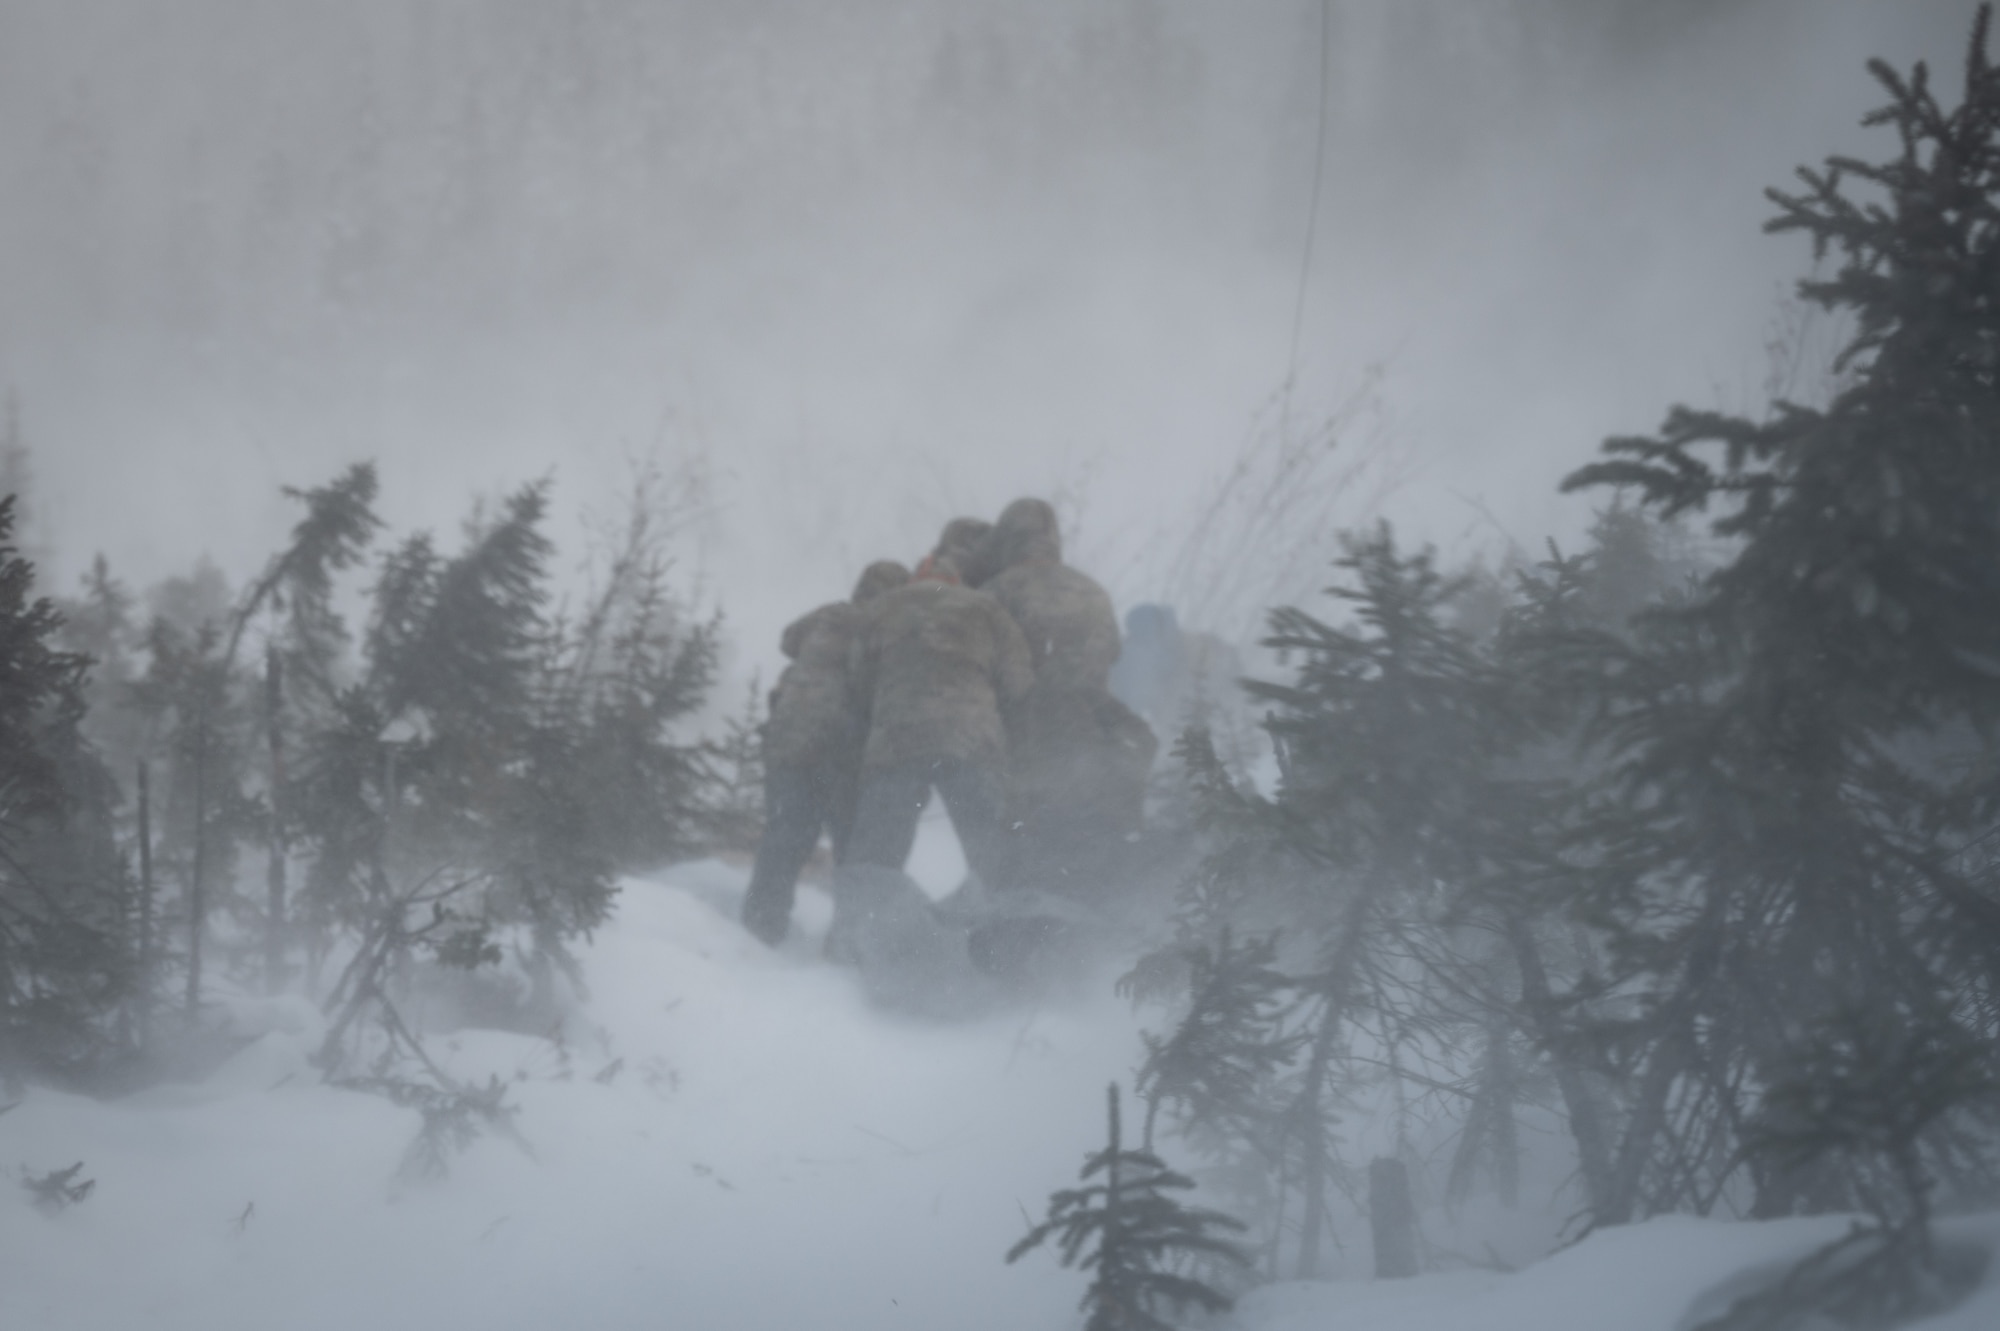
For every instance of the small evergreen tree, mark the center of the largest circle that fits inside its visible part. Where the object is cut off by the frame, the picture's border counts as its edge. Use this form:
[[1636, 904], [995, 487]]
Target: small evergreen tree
[[495, 766], [297, 586], [36, 680], [1129, 1231], [1414, 858], [200, 718], [650, 795], [1864, 1090], [738, 814], [301, 659], [62, 969], [1214, 1071], [1803, 751], [101, 622], [1393, 736]]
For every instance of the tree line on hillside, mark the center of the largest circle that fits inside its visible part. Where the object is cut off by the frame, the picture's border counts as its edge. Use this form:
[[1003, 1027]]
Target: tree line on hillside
[[248, 789], [1689, 847]]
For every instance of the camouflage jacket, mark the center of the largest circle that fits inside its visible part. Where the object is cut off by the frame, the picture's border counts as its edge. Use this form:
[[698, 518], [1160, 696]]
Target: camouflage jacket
[[932, 668], [813, 717], [1080, 752], [1071, 629]]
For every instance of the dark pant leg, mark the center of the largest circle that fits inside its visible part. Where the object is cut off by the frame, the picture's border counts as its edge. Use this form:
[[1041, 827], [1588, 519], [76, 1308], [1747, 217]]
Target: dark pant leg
[[794, 811], [885, 816], [843, 804], [1055, 844], [975, 794]]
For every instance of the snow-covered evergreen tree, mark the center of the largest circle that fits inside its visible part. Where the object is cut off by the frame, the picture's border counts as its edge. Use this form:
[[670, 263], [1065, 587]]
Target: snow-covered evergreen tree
[[63, 963], [1129, 1231], [1804, 786]]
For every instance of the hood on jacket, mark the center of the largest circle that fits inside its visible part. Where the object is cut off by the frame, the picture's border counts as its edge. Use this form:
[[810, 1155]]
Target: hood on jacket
[[884, 575], [1027, 531], [956, 551]]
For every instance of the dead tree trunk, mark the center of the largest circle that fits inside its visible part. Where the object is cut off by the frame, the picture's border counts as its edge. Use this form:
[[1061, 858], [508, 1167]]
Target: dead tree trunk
[[274, 874], [1313, 1145], [1393, 1219], [1586, 1115], [144, 983], [197, 902]]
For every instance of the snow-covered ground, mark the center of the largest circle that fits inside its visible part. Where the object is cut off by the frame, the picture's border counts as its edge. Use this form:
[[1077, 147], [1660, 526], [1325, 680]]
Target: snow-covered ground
[[723, 1137], [1665, 1275]]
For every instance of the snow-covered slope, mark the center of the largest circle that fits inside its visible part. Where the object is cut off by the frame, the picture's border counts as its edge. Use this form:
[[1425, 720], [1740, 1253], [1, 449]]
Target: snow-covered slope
[[1665, 1275], [723, 1137], [730, 1138]]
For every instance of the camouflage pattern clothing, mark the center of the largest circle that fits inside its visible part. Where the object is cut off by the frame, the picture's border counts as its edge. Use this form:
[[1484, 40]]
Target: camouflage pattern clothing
[[960, 542], [1076, 787], [1068, 620], [812, 752], [1078, 758], [934, 666], [813, 717], [810, 717]]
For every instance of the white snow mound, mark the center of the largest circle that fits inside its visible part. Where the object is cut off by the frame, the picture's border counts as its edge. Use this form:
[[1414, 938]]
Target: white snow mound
[[720, 1138]]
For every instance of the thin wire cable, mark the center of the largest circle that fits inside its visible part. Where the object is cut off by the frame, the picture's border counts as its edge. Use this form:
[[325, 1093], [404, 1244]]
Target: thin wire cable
[[1312, 214]]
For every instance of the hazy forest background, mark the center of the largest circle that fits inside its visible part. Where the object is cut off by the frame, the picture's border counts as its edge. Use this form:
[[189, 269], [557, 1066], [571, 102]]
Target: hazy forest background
[[422, 420]]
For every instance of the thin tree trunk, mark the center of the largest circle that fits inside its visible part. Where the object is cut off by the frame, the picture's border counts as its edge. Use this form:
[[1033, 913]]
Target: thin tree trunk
[[1111, 1177], [1506, 1136], [274, 876], [1673, 1053], [197, 902], [1647, 1120], [1586, 1116], [1392, 1219], [1275, 1254], [145, 978], [1312, 1141], [1112, 1243], [1312, 1111]]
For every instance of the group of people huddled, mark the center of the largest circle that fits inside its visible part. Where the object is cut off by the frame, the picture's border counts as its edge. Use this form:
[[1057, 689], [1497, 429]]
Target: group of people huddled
[[983, 674]]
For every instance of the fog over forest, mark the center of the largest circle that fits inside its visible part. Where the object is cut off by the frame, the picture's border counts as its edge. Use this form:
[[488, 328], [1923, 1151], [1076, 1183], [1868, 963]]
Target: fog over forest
[[1437, 557], [886, 261]]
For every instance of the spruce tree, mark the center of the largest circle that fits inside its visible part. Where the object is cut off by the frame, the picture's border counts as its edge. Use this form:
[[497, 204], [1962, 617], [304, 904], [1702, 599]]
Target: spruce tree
[[1416, 856], [737, 821], [492, 744], [297, 586], [37, 681], [1214, 1071], [633, 677], [1803, 776], [1393, 737], [101, 622], [62, 967], [199, 716], [1129, 1231], [302, 656]]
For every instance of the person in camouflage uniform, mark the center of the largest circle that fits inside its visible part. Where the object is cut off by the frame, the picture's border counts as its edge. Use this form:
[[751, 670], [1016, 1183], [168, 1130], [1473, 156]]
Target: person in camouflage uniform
[[812, 751], [935, 666], [960, 542], [1078, 758], [1067, 618]]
